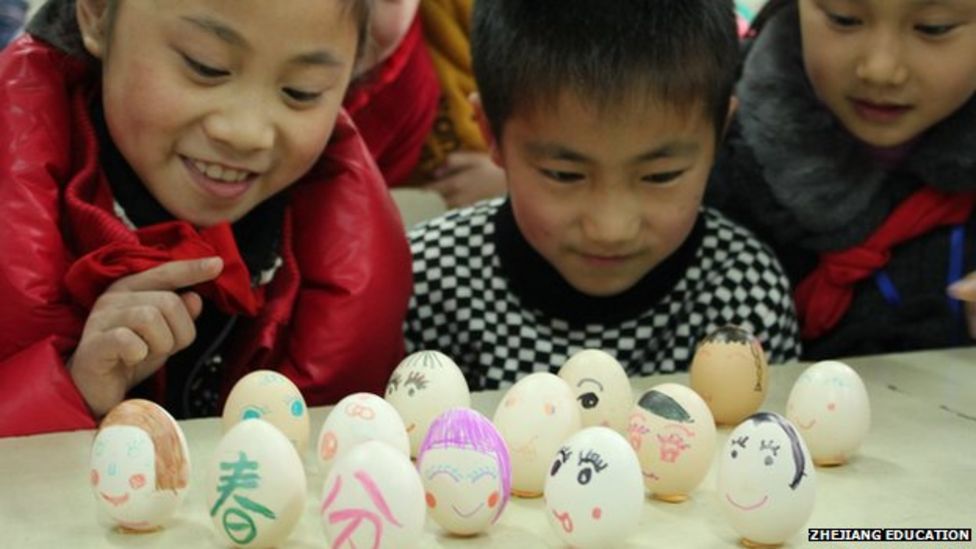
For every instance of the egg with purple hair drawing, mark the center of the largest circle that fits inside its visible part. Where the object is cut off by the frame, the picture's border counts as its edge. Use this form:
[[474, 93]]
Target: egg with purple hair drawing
[[766, 480], [466, 471]]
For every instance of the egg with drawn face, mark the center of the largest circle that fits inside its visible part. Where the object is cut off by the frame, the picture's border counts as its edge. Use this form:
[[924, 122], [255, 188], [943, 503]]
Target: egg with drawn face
[[602, 388], [534, 417], [673, 433], [766, 480], [830, 407], [373, 497], [593, 492], [730, 372], [422, 386], [270, 396], [466, 471], [140, 466], [355, 419]]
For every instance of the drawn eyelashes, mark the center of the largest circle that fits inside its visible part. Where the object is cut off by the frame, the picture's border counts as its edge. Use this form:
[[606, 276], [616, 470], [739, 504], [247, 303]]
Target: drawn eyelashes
[[763, 445], [586, 473], [394, 384], [416, 379], [563, 457], [741, 442], [455, 474]]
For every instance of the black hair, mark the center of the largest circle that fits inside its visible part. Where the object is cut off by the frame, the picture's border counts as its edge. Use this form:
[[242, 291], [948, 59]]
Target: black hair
[[798, 461], [55, 23], [769, 9], [664, 406], [526, 54]]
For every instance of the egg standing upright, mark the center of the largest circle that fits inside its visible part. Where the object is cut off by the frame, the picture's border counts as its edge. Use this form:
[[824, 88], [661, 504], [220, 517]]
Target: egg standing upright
[[140, 466], [766, 480], [534, 417], [730, 372], [422, 386], [602, 388], [270, 396], [830, 407], [466, 471], [673, 433], [593, 491]]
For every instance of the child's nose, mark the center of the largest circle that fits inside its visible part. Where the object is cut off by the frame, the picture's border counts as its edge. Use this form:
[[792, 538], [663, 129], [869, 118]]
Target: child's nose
[[883, 63], [611, 222], [241, 125]]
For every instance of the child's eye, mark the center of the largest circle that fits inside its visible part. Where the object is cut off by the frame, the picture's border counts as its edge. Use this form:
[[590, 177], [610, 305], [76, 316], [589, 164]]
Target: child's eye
[[301, 96], [205, 71], [843, 21], [561, 177], [934, 30], [663, 177]]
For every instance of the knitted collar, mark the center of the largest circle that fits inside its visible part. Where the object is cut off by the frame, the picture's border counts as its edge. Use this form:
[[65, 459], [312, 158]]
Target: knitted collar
[[540, 286], [827, 181]]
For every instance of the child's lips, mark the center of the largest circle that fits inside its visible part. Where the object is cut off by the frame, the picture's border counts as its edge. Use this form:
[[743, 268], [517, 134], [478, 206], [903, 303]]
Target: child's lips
[[883, 112]]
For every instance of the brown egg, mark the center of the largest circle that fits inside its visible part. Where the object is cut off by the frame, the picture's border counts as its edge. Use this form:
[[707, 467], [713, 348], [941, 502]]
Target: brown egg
[[730, 372]]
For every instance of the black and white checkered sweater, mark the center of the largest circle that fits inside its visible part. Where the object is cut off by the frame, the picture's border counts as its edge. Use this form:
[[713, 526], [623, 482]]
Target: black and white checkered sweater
[[484, 297]]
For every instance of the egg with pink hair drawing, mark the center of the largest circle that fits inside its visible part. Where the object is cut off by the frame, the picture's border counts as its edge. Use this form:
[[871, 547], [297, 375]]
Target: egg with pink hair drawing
[[466, 471], [534, 417], [829, 405], [673, 433], [140, 466], [593, 491], [602, 388], [766, 480], [422, 386]]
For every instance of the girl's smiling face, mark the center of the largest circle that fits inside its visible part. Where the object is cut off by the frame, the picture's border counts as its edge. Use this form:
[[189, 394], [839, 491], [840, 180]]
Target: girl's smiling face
[[219, 105]]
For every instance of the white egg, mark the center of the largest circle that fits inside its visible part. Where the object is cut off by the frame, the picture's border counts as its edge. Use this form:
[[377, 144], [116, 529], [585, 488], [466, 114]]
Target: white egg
[[270, 396], [372, 497], [602, 388], [730, 372], [355, 419], [255, 486], [466, 471], [766, 480], [829, 405], [593, 491], [140, 466], [422, 386], [534, 417], [673, 432]]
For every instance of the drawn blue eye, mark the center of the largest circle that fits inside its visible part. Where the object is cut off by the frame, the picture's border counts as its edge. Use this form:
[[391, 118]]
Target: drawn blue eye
[[251, 412], [297, 407]]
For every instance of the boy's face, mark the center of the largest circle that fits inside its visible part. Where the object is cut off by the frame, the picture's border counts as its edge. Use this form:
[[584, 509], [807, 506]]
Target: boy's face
[[890, 69], [605, 195], [219, 105]]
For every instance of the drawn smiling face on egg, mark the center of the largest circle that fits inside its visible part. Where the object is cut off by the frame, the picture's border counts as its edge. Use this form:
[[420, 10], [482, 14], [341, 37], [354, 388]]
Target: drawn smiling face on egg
[[766, 479]]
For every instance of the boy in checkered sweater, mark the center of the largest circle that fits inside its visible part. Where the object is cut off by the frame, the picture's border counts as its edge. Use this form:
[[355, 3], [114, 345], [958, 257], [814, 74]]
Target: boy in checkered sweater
[[605, 117]]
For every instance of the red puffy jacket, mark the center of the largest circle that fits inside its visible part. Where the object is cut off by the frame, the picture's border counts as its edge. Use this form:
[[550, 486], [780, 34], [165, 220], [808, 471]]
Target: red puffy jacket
[[332, 320]]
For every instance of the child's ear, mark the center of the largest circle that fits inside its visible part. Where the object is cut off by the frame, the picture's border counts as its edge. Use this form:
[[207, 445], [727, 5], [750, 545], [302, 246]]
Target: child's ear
[[92, 15], [485, 127]]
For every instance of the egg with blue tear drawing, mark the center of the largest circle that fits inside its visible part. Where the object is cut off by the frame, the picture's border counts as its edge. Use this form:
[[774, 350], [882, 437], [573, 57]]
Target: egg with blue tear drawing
[[766, 480], [270, 396]]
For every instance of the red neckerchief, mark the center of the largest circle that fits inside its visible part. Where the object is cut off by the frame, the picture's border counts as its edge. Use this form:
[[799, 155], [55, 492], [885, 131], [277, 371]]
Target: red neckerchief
[[825, 294]]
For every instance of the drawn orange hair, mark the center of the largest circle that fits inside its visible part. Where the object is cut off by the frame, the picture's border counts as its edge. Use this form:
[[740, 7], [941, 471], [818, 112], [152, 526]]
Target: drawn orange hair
[[172, 467]]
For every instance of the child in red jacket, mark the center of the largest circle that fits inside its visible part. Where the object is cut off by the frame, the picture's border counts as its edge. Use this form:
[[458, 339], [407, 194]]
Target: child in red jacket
[[180, 188]]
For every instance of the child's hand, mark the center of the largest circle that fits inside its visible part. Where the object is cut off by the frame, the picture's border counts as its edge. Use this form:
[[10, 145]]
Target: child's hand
[[135, 326], [467, 177], [965, 290]]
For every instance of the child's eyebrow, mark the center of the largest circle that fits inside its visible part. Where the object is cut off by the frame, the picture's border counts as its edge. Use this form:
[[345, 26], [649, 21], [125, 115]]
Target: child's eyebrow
[[232, 37], [669, 150], [560, 152]]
